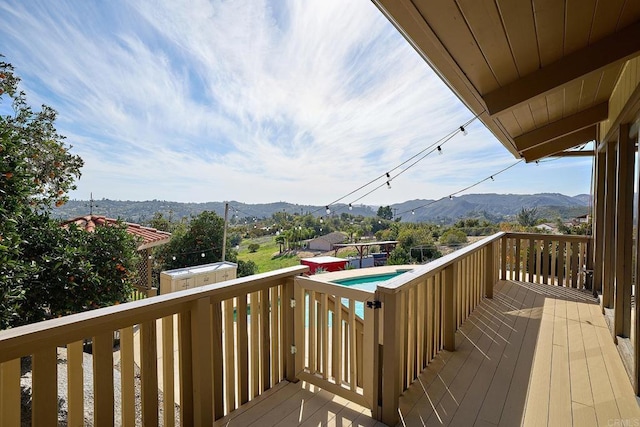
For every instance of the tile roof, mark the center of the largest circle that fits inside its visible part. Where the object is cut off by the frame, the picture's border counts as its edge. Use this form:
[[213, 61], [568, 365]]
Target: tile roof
[[149, 236]]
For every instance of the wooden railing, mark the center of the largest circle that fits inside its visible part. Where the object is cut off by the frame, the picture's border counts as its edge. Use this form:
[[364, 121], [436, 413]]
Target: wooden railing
[[232, 341], [422, 309], [338, 332], [227, 343], [563, 260]]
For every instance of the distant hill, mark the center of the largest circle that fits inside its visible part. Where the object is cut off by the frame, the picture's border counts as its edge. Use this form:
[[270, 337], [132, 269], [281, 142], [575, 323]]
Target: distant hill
[[494, 207]]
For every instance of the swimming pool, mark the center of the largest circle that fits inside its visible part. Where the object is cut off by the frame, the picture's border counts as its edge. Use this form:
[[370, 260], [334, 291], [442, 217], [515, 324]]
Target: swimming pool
[[367, 283], [370, 282]]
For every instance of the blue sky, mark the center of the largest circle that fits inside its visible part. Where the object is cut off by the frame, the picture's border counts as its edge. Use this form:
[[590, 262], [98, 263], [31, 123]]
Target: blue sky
[[255, 101]]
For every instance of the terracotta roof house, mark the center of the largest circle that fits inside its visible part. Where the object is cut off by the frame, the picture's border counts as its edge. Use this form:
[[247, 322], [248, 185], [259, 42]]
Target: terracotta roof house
[[325, 243], [147, 237]]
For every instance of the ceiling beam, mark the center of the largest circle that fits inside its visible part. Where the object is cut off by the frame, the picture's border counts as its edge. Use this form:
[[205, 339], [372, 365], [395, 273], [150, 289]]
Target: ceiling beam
[[562, 127], [558, 145], [609, 51], [576, 153]]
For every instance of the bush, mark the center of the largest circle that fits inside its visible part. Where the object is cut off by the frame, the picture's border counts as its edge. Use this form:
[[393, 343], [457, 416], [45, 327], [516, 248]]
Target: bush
[[453, 237], [253, 247]]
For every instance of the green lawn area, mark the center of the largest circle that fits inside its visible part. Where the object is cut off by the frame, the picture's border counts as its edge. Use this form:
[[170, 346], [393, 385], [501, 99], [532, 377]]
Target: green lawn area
[[263, 256]]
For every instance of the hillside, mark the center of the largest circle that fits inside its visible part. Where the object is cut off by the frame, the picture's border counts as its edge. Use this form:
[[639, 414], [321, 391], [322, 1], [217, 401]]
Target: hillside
[[494, 207]]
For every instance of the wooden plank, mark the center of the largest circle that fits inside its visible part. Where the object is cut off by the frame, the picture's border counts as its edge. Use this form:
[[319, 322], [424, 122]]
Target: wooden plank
[[449, 308], [202, 350], [324, 340], [103, 412], [254, 353], [217, 372], [517, 260], [299, 314], [503, 257], [44, 407], [554, 262], [288, 336], [574, 265], [127, 375], [560, 391], [265, 339], [562, 246], [531, 267], [609, 227], [579, 26], [337, 343], [185, 361], [149, 372], [10, 393], [168, 372], [75, 384], [519, 25], [545, 261], [229, 356], [243, 350], [390, 360], [312, 354], [352, 345]]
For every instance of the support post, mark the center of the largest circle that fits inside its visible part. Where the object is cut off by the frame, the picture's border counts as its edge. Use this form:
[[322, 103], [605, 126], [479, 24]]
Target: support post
[[608, 268], [391, 352], [598, 221], [624, 231]]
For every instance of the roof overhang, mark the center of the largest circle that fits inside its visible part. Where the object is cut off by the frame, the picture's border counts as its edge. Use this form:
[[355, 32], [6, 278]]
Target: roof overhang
[[538, 75]]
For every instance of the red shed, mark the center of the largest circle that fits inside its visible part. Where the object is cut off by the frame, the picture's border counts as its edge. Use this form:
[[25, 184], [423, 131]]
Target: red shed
[[327, 263]]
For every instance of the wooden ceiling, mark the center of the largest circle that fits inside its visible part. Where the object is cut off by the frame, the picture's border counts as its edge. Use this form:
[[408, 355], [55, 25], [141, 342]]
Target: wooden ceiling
[[538, 73]]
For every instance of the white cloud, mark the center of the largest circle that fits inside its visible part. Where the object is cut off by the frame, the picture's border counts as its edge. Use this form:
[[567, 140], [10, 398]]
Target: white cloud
[[248, 100]]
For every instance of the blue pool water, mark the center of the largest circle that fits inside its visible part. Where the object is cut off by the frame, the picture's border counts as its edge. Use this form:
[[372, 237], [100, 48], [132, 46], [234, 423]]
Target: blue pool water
[[367, 283]]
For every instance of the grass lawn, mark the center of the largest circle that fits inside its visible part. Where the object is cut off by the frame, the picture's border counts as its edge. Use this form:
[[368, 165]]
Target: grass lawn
[[263, 256]]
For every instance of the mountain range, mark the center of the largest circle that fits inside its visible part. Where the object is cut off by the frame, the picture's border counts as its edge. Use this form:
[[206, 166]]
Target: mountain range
[[493, 207]]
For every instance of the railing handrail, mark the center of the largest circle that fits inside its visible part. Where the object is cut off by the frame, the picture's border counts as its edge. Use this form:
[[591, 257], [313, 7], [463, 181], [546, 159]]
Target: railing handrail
[[24, 340], [334, 288], [420, 272], [563, 237]]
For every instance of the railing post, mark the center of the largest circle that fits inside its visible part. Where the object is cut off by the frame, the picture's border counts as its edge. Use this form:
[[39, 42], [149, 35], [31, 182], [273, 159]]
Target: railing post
[[390, 358], [449, 312], [149, 372], [489, 273]]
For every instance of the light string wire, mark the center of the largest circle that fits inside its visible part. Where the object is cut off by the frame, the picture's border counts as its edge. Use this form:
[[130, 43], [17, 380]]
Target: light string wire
[[389, 178], [490, 177]]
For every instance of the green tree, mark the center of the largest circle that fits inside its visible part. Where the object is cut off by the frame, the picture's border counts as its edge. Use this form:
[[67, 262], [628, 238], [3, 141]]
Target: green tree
[[47, 271], [253, 247], [453, 237], [528, 217], [385, 212]]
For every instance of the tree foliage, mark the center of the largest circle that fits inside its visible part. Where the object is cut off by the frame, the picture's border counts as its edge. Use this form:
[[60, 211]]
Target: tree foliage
[[47, 271], [453, 237], [385, 212], [528, 217]]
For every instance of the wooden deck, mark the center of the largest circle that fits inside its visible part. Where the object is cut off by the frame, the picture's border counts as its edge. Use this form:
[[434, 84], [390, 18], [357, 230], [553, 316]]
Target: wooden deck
[[534, 355], [302, 404]]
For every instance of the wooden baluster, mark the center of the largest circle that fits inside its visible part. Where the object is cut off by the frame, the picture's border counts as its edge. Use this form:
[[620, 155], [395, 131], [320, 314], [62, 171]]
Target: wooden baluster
[[127, 376], [149, 372], [312, 333], [517, 259], [392, 351], [554, 261], [201, 347], [254, 354], [216, 359], [265, 338], [168, 372], [337, 342], [324, 341], [503, 258], [185, 360], [10, 393], [243, 350], [561, 263], [574, 264], [449, 323], [75, 384], [45, 388], [489, 269], [102, 349], [229, 356], [352, 344], [545, 261], [532, 257]]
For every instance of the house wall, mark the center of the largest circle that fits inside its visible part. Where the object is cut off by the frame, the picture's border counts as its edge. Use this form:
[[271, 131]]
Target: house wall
[[627, 89], [320, 245]]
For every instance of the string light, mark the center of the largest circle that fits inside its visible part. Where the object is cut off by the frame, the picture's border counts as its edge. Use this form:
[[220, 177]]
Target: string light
[[388, 185], [421, 155], [327, 209], [464, 131], [490, 177], [350, 207], [202, 254], [413, 212]]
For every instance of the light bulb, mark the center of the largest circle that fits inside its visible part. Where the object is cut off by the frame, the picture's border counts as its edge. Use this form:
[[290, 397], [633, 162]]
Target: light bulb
[[328, 210], [450, 197], [464, 131], [202, 254], [439, 150], [492, 178], [321, 220], [350, 207], [413, 212], [388, 185]]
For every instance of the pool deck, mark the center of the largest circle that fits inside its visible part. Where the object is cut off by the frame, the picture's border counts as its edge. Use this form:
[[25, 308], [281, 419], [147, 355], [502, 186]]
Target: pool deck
[[359, 272]]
